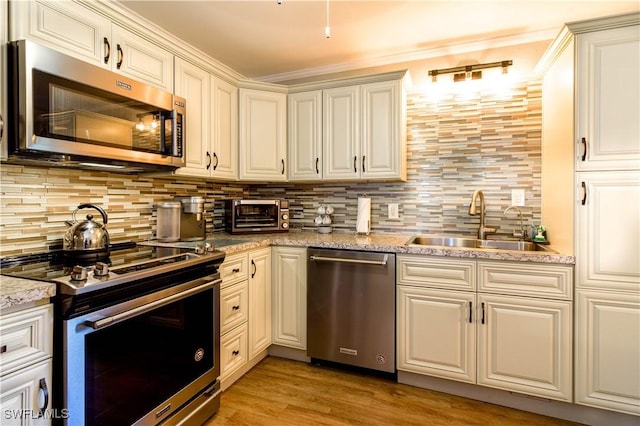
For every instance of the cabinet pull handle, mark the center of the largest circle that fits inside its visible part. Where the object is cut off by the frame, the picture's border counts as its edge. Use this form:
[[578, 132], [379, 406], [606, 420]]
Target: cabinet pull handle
[[482, 312], [45, 392], [317, 161], [215, 166], [235, 353], [209, 162], [363, 170], [3, 349], [2, 132], [282, 165], [235, 270], [120, 56], [470, 312], [255, 268], [235, 307], [584, 193], [584, 149], [107, 54], [355, 162]]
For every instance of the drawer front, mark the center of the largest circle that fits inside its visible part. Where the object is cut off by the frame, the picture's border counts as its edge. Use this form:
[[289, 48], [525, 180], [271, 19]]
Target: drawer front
[[551, 281], [234, 305], [26, 337], [431, 272], [23, 393], [233, 351], [235, 268]]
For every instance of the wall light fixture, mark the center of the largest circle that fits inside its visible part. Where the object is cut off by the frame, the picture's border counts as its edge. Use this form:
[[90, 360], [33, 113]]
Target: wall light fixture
[[469, 72]]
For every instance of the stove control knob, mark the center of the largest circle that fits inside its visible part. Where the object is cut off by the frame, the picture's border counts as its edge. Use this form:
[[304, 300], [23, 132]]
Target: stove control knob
[[208, 247], [285, 216], [199, 249], [100, 269], [285, 225], [79, 273]]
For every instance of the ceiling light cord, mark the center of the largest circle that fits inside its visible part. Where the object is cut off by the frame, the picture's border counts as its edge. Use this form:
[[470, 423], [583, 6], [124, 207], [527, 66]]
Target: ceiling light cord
[[327, 28]]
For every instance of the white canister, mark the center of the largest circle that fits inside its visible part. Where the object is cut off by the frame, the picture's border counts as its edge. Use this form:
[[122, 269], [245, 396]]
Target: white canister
[[168, 221]]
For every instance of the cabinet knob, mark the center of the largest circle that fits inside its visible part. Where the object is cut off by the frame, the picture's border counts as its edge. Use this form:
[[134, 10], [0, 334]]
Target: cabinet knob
[[236, 307], [235, 353]]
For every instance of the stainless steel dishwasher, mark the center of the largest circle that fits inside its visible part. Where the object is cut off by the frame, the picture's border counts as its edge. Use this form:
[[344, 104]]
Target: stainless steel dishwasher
[[351, 308]]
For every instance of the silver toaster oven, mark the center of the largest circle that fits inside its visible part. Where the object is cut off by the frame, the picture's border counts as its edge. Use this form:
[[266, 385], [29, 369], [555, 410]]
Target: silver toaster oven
[[256, 216]]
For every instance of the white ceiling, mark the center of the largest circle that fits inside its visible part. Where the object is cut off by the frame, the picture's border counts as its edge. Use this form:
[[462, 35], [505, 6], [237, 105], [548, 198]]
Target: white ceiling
[[267, 41]]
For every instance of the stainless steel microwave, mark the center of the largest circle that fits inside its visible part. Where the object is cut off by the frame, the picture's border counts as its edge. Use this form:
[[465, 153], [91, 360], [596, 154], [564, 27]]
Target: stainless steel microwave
[[66, 112], [256, 216]]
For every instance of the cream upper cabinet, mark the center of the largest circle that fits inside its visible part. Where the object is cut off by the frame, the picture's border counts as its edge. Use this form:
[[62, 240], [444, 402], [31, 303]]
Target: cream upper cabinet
[[80, 32], [263, 139], [608, 349], [304, 121], [259, 301], [383, 130], [608, 99], [290, 296], [341, 133], [224, 131], [192, 83]]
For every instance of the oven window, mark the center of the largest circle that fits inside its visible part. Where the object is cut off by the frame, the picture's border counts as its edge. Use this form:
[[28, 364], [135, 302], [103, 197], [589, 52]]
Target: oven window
[[134, 366], [254, 215], [75, 112]]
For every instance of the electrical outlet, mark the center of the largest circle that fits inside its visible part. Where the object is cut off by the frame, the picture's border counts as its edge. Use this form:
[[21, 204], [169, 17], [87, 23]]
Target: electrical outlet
[[393, 211], [517, 197]]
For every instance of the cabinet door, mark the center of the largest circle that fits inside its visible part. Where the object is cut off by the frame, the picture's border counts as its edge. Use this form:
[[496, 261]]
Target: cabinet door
[[192, 83], [259, 301], [341, 133], [290, 297], [24, 393], [383, 131], [64, 26], [436, 333], [608, 350], [224, 141], [139, 59], [608, 99], [305, 136], [608, 226], [263, 141], [524, 345]]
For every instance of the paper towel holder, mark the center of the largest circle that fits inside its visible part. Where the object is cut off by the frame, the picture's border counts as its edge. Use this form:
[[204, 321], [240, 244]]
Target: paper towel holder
[[359, 228]]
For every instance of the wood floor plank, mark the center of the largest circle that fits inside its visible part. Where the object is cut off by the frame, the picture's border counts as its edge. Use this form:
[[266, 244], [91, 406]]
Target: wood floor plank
[[291, 393]]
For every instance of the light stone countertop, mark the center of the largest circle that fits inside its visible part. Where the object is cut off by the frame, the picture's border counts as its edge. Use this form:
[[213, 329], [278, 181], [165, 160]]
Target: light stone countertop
[[16, 291]]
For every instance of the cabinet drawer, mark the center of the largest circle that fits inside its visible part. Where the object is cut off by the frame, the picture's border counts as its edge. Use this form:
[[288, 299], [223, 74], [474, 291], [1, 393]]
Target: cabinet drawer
[[233, 350], [24, 393], [234, 268], [537, 280], [436, 272], [234, 306], [26, 337]]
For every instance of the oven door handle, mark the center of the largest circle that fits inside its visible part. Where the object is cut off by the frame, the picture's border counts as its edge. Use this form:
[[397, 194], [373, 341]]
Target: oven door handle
[[209, 282]]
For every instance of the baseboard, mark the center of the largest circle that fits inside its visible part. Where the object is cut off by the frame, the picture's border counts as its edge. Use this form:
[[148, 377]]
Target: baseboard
[[289, 353], [546, 407]]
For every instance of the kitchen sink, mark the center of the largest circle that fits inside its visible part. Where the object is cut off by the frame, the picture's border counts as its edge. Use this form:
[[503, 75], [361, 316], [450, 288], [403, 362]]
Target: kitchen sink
[[465, 242]]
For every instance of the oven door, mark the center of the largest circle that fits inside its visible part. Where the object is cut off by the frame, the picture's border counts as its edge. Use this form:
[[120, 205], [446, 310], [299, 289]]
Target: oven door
[[140, 361]]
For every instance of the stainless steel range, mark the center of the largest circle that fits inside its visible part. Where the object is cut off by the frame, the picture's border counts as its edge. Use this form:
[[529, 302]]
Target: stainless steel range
[[136, 336]]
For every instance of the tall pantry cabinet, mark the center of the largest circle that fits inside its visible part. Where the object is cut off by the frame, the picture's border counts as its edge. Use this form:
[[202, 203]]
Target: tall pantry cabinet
[[602, 148]]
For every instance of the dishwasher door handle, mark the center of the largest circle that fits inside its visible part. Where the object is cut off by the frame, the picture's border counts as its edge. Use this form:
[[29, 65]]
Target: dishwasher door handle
[[382, 262]]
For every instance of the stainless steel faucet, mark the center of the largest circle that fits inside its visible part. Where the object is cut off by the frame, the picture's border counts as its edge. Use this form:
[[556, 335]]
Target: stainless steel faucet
[[522, 234], [473, 210]]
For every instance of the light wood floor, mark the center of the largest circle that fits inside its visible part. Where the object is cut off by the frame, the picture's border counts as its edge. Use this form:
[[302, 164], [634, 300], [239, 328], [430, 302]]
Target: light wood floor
[[283, 392]]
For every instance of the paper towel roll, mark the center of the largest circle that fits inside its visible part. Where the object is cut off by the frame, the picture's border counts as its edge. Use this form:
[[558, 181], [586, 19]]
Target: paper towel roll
[[363, 223]]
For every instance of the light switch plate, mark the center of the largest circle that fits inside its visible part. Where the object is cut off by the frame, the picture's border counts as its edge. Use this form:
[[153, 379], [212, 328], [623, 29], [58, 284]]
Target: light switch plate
[[517, 197], [393, 211]]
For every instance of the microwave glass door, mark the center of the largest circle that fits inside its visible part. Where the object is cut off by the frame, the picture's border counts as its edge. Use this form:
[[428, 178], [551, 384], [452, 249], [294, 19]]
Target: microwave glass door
[[134, 365], [256, 215], [76, 112]]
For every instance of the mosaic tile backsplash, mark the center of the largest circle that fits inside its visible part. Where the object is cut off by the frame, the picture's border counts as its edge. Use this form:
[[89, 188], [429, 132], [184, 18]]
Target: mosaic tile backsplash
[[454, 146]]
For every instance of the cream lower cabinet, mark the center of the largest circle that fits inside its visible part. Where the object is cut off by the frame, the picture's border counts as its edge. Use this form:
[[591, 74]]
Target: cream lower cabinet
[[608, 350], [26, 338], [259, 301], [508, 340], [290, 296]]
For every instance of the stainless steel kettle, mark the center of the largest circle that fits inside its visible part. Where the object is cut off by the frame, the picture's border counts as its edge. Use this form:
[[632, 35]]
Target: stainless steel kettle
[[87, 236]]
